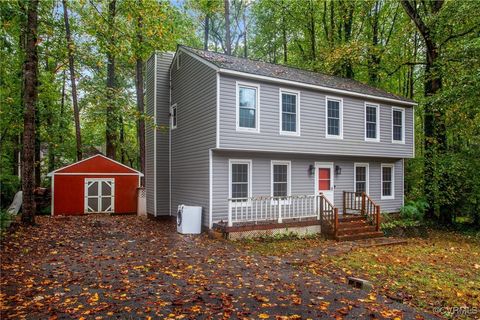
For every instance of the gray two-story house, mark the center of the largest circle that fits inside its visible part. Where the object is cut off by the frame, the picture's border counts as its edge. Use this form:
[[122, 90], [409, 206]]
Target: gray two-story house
[[261, 146]]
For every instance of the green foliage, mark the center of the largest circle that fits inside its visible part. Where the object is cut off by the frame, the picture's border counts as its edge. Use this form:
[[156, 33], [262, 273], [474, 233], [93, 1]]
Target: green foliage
[[5, 221], [9, 185], [414, 210]]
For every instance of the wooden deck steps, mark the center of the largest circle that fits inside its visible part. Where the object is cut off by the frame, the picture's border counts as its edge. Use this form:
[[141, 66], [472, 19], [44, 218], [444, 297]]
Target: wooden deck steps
[[356, 228]]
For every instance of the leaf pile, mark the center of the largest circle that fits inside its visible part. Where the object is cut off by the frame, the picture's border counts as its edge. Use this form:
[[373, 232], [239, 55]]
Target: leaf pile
[[97, 267]]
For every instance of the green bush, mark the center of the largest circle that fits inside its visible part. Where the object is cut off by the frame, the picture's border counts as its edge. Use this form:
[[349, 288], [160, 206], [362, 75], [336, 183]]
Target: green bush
[[414, 210], [9, 185], [5, 220]]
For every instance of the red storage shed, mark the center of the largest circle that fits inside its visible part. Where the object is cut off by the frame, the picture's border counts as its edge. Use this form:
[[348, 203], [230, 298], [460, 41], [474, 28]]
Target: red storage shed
[[96, 184]]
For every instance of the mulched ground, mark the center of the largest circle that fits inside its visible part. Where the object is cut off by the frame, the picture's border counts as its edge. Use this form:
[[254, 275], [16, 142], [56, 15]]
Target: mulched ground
[[99, 267]]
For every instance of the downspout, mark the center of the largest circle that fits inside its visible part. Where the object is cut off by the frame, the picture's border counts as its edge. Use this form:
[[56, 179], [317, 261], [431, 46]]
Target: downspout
[[170, 140], [155, 136]]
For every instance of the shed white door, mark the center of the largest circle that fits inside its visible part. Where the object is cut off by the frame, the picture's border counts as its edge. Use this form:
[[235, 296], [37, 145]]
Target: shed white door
[[99, 195]]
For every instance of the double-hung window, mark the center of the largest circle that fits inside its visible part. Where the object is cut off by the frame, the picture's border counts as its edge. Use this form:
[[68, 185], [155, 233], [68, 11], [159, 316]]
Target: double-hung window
[[173, 116], [280, 178], [289, 112], [361, 177], [398, 125], [334, 118], [372, 122], [247, 107], [388, 191], [240, 179]]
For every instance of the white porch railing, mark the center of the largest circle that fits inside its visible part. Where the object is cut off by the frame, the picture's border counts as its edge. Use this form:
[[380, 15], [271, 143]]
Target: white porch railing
[[266, 208]]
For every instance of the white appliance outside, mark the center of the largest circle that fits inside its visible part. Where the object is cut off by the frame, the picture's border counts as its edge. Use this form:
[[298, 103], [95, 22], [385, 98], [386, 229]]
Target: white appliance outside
[[189, 219]]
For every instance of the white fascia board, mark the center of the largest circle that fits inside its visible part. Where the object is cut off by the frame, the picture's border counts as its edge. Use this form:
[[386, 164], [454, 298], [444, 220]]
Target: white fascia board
[[293, 83], [316, 87], [135, 172]]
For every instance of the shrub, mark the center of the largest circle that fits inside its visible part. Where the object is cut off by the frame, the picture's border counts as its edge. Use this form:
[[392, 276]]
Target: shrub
[[414, 210], [9, 185], [5, 220]]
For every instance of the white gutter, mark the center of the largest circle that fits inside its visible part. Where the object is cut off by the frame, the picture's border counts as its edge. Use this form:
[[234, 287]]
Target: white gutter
[[313, 86]]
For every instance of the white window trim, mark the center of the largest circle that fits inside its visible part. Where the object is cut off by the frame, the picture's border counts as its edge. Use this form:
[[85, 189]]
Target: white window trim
[[174, 106], [289, 175], [403, 125], [297, 108], [387, 165], [239, 161], [237, 106], [377, 129], [340, 100], [367, 175]]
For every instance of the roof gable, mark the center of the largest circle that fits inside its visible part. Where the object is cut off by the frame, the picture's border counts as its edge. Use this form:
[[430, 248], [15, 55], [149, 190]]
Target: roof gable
[[302, 77], [96, 164]]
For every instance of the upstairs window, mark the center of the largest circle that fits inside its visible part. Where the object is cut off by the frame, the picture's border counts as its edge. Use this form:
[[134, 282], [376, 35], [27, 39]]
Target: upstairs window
[[173, 116], [334, 118], [240, 176], [280, 178], [372, 122], [361, 177], [387, 181], [398, 125], [247, 104], [289, 112]]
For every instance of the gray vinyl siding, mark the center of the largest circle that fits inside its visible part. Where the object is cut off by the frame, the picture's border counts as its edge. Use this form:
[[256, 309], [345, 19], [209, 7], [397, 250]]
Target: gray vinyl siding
[[302, 182], [195, 93], [149, 141], [162, 153], [312, 125], [163, 117]]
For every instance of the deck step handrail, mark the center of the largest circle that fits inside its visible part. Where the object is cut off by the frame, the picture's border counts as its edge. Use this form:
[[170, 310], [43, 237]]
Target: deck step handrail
[[361, 203], [328, 215], [371, 210]]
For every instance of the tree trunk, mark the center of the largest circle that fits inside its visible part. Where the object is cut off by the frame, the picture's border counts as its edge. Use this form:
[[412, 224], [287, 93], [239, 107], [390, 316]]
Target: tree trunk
[[111, 114], [206, 32], [30, 97], [71, 66], [122, 141], [62, 105], [140, 98], [37, 156], [312, 31], [284, 35], [228, 40], [434, 126], [245, 48], [347, 27], [374, 60]]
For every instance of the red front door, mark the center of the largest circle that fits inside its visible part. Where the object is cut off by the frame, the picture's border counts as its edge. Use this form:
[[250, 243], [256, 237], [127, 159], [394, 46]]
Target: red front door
[[324, 183]]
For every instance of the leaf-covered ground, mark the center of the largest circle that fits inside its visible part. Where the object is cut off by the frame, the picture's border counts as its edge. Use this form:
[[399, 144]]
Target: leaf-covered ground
[[99, 267], [440, 271]]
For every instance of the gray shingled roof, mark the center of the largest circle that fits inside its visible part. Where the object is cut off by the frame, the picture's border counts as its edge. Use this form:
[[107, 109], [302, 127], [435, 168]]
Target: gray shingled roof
[[292, 74]]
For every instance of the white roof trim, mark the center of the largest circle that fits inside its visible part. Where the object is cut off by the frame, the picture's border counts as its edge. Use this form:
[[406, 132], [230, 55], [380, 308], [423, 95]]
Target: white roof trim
[[294, 83], [313, 86], [97, 155], [197, 57]]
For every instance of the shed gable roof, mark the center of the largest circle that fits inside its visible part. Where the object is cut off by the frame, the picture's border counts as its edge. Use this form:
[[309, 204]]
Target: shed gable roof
[[97, 164], [300, 76]]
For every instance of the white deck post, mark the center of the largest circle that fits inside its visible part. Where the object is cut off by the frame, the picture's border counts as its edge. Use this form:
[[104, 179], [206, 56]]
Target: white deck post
[[279, 211], [230, 222]]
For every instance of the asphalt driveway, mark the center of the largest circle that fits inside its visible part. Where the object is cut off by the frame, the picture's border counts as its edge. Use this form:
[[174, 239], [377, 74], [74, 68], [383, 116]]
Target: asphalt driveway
[[99, 267]]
